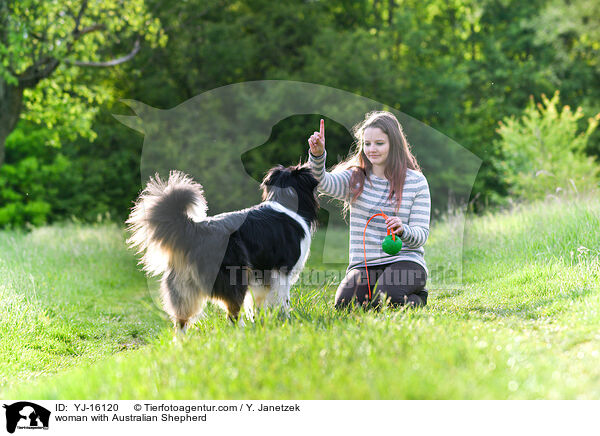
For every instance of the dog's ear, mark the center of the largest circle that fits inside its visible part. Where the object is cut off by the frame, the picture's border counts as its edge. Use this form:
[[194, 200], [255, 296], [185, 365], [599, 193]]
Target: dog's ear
[[272, 175], [300, 167], [273, 180], [303, 172], [309, 178]]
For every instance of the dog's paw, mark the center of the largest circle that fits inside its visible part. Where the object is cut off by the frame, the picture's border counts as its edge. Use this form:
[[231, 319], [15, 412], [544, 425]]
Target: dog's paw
[[180, 332]]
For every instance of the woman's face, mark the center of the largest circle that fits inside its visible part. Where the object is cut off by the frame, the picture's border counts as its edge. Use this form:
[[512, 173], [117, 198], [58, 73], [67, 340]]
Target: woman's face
[[376, 145]]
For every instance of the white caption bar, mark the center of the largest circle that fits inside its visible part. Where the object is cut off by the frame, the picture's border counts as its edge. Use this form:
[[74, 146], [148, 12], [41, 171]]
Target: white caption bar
[[22, 417]]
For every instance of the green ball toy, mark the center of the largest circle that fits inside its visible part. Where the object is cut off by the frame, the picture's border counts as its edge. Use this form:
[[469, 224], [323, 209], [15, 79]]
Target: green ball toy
[[390, 246]]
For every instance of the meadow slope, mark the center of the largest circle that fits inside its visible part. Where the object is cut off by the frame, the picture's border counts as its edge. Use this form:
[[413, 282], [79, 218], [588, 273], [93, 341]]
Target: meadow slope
[[78, 321]]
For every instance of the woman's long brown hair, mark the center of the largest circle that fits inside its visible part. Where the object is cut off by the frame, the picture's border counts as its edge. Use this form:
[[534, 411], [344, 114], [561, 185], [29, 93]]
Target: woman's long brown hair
[[399, 159]]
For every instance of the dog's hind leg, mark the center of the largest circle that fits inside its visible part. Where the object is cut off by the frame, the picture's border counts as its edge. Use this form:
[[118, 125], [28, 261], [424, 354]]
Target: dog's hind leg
[[230, 290], [182, 300], [181, 326]]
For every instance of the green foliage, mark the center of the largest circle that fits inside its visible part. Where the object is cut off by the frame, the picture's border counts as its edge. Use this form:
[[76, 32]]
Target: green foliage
[[543, 151], [31, 181], [105, 175], [459, 66], [81, 180], [45, 41], [66, 105], [70, 30]]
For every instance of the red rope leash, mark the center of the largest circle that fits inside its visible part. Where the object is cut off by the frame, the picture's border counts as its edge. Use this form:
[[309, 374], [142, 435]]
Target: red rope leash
[[365, 245]]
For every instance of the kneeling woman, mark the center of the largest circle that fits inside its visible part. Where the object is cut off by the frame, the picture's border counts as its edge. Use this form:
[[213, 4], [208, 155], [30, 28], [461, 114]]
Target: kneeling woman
[[381, 176]]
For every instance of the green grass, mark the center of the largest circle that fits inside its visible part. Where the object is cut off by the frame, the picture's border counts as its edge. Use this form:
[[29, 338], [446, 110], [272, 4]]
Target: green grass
[[522, 324], [69, 295]]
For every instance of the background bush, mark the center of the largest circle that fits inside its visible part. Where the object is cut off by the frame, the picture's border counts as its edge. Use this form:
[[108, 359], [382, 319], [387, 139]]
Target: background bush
[[87, 181], [543, 151]]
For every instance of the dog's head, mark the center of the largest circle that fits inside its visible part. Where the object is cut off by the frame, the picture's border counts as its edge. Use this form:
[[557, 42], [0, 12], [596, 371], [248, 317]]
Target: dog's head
[[294, 187]]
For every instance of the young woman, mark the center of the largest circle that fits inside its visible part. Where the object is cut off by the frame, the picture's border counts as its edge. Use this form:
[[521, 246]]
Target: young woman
[[381, 175]]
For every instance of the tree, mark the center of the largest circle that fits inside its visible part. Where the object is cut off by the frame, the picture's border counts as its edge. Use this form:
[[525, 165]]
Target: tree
[[43, 44], [571, 29]]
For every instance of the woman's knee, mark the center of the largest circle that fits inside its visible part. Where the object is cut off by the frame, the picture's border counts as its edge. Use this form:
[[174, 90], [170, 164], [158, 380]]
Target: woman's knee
[[353, 289], [404, 283], [404, 274]]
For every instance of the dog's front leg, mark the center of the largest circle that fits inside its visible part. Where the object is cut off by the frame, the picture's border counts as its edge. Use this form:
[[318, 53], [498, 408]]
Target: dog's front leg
[[280, 293]]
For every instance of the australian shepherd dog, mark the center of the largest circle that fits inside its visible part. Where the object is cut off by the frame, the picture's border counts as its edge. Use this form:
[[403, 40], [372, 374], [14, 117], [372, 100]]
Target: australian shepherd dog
[[218, 258]]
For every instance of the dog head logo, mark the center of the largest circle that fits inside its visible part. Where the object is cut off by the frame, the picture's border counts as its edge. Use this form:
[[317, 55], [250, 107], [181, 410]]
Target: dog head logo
[[207, 135], [26, 415]]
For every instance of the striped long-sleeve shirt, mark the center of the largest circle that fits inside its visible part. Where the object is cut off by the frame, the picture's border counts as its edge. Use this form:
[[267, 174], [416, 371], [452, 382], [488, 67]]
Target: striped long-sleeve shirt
[[414, 212]]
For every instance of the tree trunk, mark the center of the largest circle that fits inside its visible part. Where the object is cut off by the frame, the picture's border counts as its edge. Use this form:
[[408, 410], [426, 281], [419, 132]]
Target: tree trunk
[[377, 14], [11, 99]]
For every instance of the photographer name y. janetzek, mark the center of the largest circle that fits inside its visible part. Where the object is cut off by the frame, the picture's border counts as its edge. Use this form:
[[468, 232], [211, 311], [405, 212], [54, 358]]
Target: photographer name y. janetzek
[[280, 408]]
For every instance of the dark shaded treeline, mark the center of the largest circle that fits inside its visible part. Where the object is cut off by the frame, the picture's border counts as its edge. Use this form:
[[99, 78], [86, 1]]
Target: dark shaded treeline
[[458, 66]]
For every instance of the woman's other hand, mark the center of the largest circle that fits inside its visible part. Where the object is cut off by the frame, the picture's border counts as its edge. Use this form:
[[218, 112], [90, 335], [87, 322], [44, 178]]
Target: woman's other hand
[[317, 141], [394, 224]]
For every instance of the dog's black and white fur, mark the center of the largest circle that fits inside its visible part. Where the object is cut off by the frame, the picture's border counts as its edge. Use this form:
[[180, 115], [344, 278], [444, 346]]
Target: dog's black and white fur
[[217, 258]]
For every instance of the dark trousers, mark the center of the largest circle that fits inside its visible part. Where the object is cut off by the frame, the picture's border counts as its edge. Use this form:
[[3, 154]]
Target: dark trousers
[[398, 283]]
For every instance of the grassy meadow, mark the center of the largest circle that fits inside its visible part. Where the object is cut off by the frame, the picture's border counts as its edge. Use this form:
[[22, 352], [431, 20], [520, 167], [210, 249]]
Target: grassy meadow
[[77, 321]]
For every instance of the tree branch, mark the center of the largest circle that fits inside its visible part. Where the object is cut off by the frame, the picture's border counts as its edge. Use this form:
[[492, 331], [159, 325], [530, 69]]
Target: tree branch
[[88, 29], [47, 63], [42, 69], [111, 63], [79, 16]]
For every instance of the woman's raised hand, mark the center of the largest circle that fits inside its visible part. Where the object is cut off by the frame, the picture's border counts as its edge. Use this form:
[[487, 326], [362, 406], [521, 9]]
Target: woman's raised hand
[[317, 141]]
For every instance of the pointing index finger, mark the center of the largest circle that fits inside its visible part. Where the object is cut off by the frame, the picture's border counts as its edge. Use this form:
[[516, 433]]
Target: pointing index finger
[[322, 129]]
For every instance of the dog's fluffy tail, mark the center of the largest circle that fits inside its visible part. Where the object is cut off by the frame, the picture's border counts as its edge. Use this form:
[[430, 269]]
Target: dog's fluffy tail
[[162, 221]]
